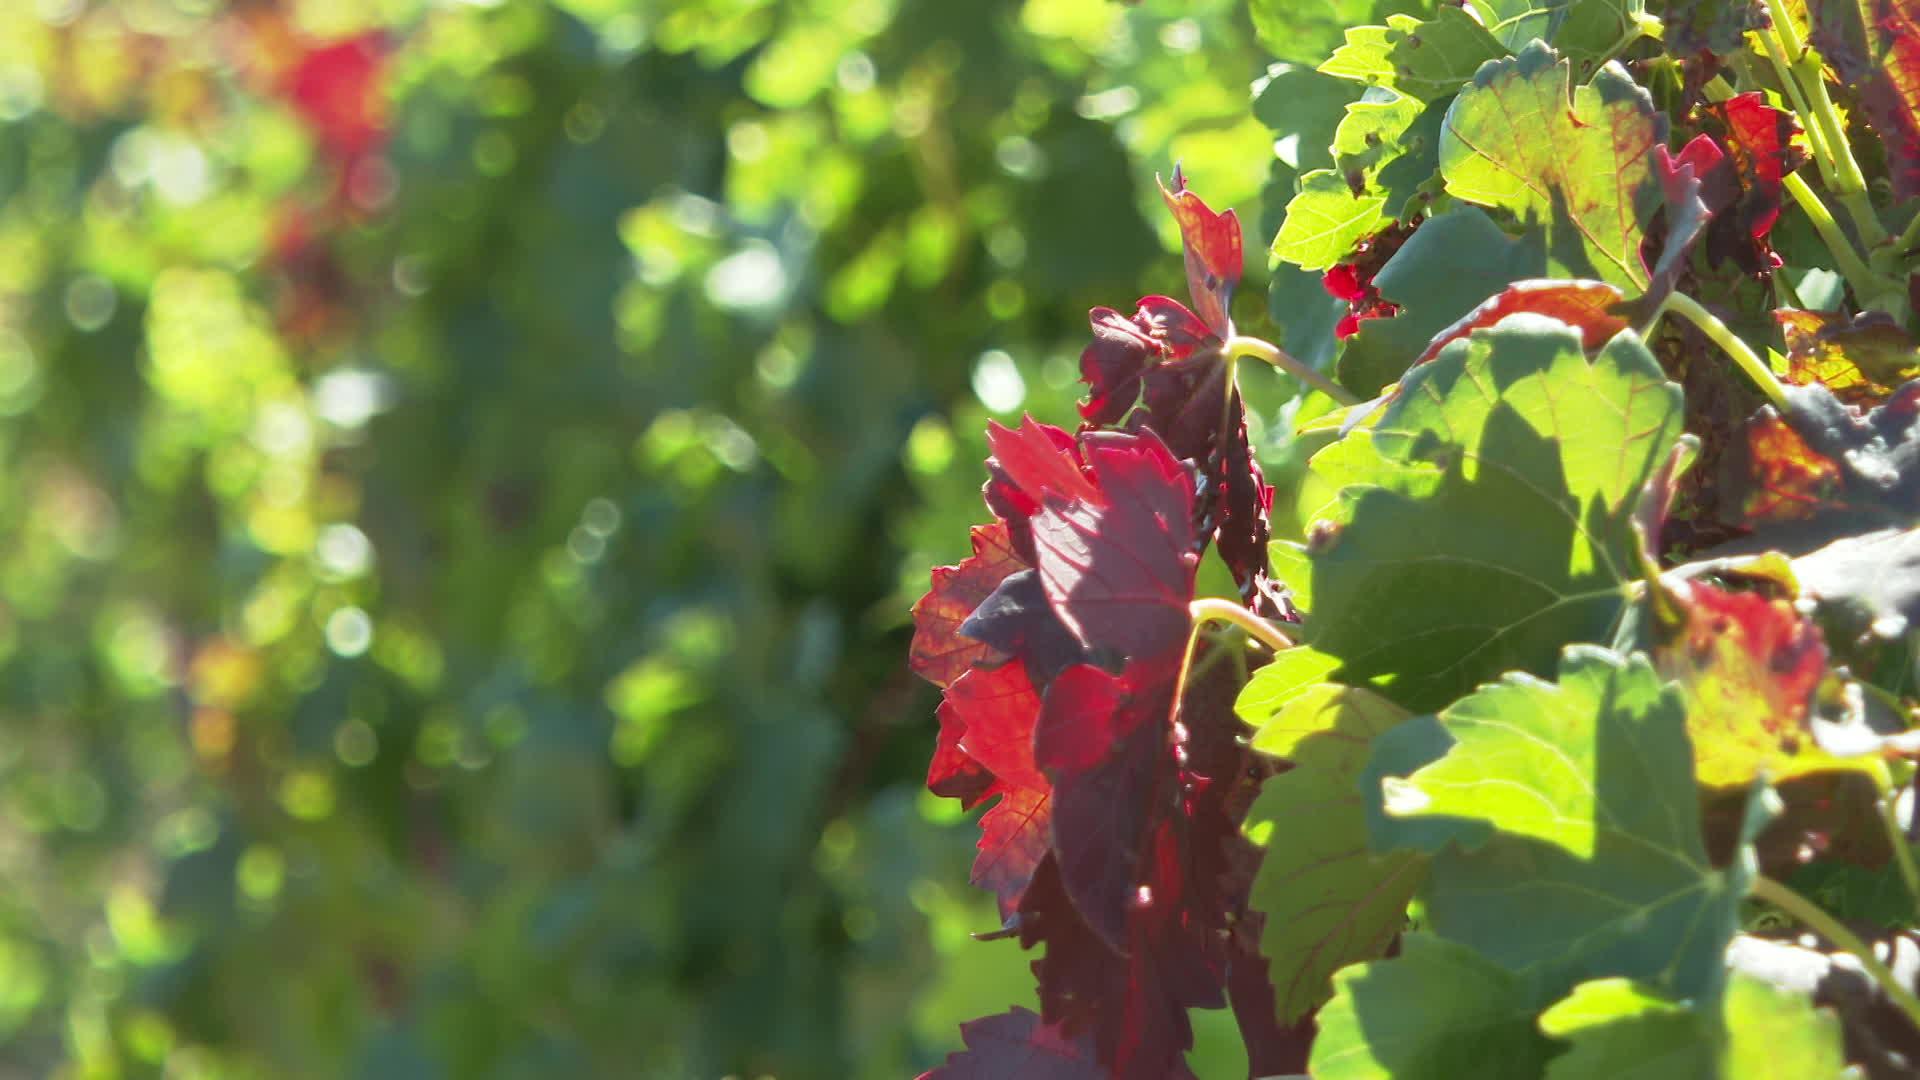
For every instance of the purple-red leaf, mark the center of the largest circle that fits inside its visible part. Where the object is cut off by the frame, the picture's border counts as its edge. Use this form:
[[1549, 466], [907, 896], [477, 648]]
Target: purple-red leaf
[[939, 652], [1117, 563], [1018, 1044]]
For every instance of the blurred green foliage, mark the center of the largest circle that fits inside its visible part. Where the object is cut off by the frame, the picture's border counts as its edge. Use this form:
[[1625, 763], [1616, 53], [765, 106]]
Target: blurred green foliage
[[464, 468]]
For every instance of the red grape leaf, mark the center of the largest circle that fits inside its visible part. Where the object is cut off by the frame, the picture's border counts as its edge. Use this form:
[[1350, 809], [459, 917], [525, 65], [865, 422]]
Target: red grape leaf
[[952, 774], [1860, 359], [1587, 306], [1214, 258], [939, 652], [1118, 562], [1103, 740], [336, 90], [1163, 370], [995, 709], [1018, 1044], [1749, 665], [1164, 361], [1879, 57], [1027, 463], [1017, 620], [1743, 189]]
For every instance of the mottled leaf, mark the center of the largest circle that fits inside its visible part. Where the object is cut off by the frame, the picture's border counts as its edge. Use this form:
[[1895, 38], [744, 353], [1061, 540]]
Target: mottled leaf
[[1860, 359], [1878, 56], [1577, 159], [1587, 306], [1749, 665]]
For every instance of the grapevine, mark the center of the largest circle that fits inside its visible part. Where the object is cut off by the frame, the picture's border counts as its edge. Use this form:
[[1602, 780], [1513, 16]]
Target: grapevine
[[1556, 721]]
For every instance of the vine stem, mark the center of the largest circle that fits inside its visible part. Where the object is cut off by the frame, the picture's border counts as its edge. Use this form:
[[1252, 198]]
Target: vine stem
[[1266, 351], [1801, 66], [1742, 354], [1815, 918], [1213, 609], [1902, 854], [1909, 239], [1866, 283]]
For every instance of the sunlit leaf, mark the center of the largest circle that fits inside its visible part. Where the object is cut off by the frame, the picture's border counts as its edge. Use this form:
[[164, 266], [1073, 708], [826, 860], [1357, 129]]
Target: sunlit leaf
[[1498, 525], [1578, 159]]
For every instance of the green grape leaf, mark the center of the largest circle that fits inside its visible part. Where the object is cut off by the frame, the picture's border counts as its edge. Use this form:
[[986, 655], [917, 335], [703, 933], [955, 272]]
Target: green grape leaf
[[1564, 826], [1328, 900], [1305, 33], [1621, 1030], [1438, 1011], [1422, 58], [1326, 219], [1587, 30], [1592, 31], [1772, 1034], [1451, 264], [1496, 524], [1385, 149], [1579, 160]]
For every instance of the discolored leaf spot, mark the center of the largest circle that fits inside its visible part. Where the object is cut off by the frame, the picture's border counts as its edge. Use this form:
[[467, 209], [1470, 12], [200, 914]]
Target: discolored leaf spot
[[1860, 359], [1749, 665]]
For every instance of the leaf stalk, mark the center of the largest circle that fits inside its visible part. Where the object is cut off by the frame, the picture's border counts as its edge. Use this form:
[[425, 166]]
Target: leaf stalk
[[1815, 918], [1741, 353], [1240, 345]]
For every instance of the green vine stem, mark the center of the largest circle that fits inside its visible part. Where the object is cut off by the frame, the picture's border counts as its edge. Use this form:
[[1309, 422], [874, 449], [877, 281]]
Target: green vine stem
[[1909, 239], [1240, 345], [1814, 918], [1902, 853], [1867, 285], [1214, 609], [1801, 69], [1742, 354]]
